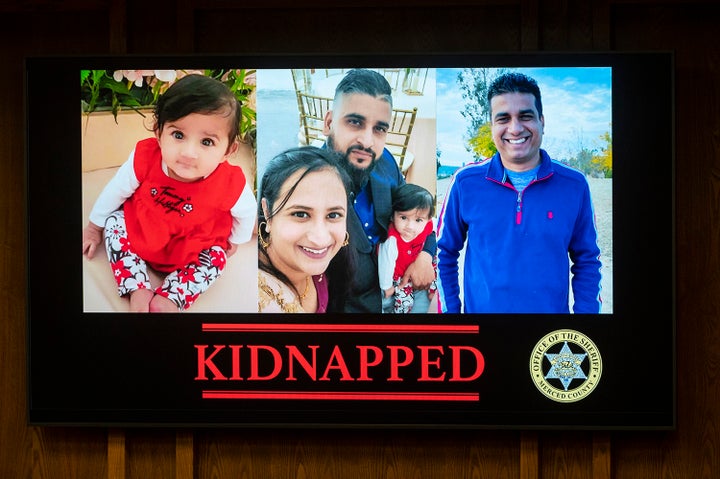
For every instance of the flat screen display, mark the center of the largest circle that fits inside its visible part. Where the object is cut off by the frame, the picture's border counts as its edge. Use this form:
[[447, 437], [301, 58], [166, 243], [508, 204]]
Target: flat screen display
[[548, 229]]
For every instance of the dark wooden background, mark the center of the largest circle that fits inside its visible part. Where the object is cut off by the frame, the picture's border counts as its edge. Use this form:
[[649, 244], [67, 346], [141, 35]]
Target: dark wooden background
[[689, 28]]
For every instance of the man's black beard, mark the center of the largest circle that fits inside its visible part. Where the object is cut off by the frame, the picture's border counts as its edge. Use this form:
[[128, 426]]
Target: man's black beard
[[359, 176]]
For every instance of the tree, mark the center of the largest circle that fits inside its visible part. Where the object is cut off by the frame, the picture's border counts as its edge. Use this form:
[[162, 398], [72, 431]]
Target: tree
[[585, 161], [474, 84], [604, 159], [482, 144]]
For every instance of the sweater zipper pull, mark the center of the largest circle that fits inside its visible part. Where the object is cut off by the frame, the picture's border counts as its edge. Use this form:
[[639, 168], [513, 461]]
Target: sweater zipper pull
[[518, 211]]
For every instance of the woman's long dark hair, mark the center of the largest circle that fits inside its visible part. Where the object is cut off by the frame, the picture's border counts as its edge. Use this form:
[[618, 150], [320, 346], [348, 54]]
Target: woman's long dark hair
[[308, 159]]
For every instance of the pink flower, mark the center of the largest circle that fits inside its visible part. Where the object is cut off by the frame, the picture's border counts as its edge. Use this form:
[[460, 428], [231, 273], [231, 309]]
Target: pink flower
[[137, 76], [165, 75], [184, 73], [251, 78]]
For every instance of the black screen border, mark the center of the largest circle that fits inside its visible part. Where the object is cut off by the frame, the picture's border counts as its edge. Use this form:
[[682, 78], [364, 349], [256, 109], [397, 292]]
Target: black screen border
[[77, 360]]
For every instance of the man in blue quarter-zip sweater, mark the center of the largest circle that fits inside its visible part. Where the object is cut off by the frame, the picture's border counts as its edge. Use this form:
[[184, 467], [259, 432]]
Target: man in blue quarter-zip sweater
[[528, 220]]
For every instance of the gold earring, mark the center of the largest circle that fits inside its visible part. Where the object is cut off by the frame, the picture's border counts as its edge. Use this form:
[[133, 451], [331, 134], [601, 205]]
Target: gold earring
[[347, 239], [264, 244]]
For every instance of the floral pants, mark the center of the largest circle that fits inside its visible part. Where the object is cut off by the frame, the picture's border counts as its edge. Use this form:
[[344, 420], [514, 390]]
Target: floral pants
[[182, 286], [408, 300]]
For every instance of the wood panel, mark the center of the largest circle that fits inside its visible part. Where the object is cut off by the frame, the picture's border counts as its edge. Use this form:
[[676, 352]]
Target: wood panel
[[397, 29], [692, 451], [116, 453], [132, 26], [567, 455]]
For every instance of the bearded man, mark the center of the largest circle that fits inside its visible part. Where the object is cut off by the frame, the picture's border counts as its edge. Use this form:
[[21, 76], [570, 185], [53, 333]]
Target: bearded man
[[357, 127]]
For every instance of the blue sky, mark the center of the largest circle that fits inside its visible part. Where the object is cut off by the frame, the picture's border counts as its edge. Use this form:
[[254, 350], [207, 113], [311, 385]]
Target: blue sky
[[576, 102]]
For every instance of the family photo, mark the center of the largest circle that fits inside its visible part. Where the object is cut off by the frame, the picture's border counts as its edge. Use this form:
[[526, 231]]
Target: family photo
[[358, 190], [378, 127]]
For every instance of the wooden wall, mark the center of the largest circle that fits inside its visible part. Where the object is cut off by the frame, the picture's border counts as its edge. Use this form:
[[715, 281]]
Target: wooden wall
[[45, 27]]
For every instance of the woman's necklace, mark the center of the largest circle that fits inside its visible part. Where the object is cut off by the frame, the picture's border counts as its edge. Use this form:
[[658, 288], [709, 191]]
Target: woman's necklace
[[307, 289], [269, 294]]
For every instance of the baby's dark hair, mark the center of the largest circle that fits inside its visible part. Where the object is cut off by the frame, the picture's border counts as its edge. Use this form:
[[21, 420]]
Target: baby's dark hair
[[198, 94], [408, 197]]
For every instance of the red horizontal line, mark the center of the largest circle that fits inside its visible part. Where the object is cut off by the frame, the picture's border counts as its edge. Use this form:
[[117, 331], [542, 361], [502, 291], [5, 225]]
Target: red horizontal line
[[339, 328], [342, 396]]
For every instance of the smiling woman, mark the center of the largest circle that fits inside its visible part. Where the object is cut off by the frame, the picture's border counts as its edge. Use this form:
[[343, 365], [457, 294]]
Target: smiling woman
[[301, 235]]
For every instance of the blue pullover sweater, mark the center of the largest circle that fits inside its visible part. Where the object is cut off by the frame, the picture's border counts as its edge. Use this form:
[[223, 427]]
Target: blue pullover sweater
[[522, 248]]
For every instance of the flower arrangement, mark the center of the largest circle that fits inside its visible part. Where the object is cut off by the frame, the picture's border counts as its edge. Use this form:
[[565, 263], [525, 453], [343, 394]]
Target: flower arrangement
[[106, 90]]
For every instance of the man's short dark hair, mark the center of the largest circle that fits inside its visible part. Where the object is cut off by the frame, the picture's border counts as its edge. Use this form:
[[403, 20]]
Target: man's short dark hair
[[516, 83], [367, 82]]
